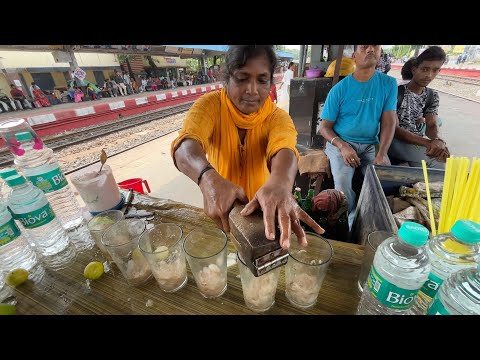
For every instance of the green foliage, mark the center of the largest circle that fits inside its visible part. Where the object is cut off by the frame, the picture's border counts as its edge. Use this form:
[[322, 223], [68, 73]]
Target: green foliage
[[399, 51], [193, 65], [122, 58]]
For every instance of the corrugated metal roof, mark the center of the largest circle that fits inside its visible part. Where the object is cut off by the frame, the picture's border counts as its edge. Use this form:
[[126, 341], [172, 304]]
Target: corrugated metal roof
[[224, 48]]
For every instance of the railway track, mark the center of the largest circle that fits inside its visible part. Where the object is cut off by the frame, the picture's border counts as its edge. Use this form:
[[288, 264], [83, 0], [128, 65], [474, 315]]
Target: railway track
[[102, 129], [460, 79]]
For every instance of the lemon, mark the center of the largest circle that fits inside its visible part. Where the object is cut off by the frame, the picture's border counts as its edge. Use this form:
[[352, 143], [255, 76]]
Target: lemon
[[137, 255], [161, 252], [7, 309], [93, 270], [16, 277]]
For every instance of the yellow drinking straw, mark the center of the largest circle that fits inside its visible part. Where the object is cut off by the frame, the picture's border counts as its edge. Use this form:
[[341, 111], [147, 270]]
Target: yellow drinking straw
[[429, 199]]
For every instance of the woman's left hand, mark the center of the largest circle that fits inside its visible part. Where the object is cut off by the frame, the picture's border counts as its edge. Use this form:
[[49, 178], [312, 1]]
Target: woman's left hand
[[273, 200]]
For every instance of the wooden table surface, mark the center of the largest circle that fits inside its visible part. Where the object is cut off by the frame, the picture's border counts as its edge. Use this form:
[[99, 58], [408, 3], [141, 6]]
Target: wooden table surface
[[67, 291]]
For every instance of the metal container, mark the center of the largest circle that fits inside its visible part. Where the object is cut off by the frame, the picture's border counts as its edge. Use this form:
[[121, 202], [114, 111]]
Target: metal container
[[373, 211]]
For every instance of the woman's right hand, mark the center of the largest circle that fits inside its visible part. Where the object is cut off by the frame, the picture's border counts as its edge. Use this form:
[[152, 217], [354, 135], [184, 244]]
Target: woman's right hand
[[219, 195]]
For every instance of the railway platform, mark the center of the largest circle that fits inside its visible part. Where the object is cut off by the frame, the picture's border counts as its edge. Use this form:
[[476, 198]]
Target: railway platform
[[66, 116]]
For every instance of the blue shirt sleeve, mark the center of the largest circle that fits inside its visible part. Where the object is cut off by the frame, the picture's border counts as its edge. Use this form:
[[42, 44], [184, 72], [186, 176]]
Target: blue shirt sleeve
[[391, 99], [331, 107]]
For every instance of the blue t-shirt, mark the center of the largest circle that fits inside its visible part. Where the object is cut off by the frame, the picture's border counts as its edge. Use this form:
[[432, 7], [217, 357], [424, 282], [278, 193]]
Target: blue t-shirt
[[356, 107]]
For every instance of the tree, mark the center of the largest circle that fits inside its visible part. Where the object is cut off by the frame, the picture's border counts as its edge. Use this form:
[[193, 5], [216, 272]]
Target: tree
[[193, 65], [125, 58], [399, 51]]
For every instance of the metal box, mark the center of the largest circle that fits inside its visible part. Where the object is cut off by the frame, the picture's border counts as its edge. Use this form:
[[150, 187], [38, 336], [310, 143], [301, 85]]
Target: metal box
[[373, 211], [307, 97]]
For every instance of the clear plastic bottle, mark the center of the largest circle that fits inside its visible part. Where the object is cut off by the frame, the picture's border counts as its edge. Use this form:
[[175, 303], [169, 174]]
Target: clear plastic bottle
[[15, 252], [448, 253], [5, 193], [41, 167], [399, 269], [29, 205], [458, 295], [4, 188]]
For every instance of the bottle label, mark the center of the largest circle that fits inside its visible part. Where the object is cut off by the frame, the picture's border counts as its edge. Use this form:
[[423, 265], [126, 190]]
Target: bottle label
[[8, 232], [36, 218], [50, 181], [431, 286], [437, 308], [389, 294]]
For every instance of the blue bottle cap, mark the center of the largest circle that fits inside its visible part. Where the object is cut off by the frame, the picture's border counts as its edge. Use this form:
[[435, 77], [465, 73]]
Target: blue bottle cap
[[24, 136], [15, 180], [413, 233], [7, 172], [466, 230]]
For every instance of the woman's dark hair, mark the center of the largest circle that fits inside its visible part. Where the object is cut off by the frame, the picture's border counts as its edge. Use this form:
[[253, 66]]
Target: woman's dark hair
[[238, 55], [407, 69], [433, 53]]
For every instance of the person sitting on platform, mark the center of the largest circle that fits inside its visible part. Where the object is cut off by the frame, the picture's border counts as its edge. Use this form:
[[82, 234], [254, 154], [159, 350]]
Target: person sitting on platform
[[8, 104], [417, 101], [250, 144], [18, 94], [39, 95], [78, 94], [359, 113]]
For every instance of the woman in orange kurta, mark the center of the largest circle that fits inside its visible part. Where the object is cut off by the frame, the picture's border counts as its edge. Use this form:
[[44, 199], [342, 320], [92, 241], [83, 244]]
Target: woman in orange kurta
[[250, 145]]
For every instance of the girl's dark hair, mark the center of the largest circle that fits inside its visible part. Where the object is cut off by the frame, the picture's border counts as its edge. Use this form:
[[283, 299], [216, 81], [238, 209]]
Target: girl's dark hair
[[407, 69], [433, 53], [238, 55]]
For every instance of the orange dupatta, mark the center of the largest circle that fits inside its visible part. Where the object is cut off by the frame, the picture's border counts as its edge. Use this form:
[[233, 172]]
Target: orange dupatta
[[244, 165]]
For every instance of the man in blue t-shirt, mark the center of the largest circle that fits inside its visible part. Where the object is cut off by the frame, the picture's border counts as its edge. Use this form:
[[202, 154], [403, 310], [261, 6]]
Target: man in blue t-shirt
[[358, 111]]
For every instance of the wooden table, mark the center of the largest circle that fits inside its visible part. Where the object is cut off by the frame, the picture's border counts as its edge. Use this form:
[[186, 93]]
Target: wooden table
[[67, 292]]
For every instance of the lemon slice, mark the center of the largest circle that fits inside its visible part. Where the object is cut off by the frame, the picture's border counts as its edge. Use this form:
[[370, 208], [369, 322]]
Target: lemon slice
[[161, 252], [16, 277], [93, 270], [8, 309], [137, 255]]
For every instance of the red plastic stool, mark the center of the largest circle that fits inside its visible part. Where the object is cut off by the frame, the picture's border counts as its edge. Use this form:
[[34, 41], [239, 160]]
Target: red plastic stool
[[135, 184]]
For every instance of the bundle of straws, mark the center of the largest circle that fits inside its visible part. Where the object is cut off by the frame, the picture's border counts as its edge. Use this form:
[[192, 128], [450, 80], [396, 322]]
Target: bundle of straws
[[461, 193]]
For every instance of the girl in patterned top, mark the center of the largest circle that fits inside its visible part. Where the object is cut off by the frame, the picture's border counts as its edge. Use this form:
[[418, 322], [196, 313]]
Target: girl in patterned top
[[409, 144]]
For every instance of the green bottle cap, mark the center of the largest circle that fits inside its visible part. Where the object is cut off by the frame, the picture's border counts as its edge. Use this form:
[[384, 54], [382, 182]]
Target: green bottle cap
[[413, 233], [24, 136], [15, 180], [7, 172], [466, 231]]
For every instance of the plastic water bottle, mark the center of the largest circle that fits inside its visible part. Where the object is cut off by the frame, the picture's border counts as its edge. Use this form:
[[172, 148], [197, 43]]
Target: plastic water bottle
[[458, 295], [29, 205], [5, 193], [399, 269], [448, 253], [41, 167], [5, 189], [15, 252]]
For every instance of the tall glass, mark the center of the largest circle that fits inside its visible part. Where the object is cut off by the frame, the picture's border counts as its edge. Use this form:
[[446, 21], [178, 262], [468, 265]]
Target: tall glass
[[206, 252], [374, 239], [121, 242], [306, 268], [162, 247], [258, 292], [101, 222]]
